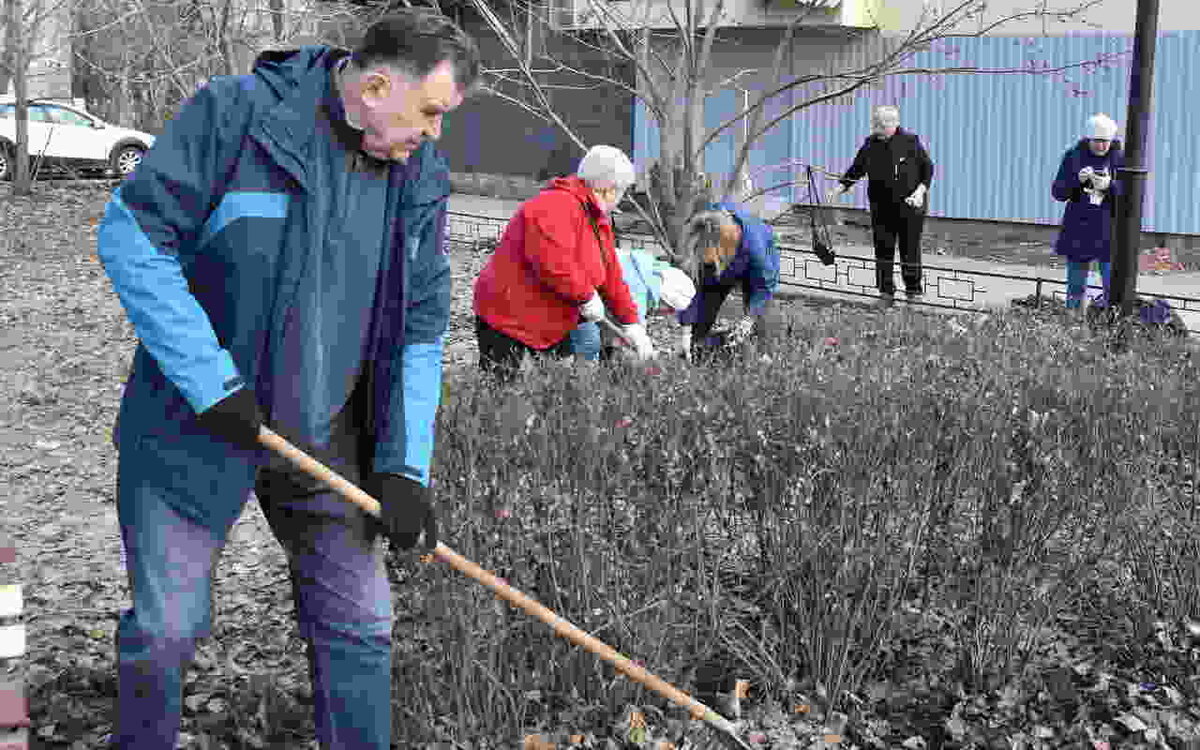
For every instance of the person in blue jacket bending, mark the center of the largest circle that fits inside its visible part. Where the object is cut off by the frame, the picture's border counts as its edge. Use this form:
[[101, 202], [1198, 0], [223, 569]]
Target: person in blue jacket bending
[[653, 283], [280, 252], [732, 249]]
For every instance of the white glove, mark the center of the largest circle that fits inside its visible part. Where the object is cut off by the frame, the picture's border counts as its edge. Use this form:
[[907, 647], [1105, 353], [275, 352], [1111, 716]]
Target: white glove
[[593, 310], [917, 198], [635, 334], [685, 342], [1101, 182], [835, 193], [1085, 174], [741, 330]]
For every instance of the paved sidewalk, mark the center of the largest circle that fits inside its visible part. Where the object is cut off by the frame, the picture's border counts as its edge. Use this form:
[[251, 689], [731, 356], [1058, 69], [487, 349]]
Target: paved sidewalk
[[949, 280]]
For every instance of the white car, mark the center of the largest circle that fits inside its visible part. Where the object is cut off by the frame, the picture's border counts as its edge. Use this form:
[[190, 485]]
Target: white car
[[69, 138]]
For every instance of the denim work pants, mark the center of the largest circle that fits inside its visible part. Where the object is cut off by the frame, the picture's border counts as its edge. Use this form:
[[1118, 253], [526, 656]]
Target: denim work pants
[[340, 589], [1077, 273]]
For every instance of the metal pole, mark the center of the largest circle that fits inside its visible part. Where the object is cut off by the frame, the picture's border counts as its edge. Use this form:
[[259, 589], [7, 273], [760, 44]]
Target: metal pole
[[1133, 175]]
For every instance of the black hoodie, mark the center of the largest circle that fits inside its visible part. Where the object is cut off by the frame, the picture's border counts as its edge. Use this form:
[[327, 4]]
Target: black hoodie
[[893, 166]]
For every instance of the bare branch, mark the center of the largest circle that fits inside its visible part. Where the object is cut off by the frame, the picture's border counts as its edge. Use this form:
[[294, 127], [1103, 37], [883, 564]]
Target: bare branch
[[513, 49]]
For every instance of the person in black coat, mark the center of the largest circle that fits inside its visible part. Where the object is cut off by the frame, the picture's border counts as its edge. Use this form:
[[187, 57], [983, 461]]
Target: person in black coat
[[898, 171]]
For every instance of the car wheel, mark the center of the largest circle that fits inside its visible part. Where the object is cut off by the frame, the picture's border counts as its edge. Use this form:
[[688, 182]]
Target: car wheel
[[6, 163], [126, 159]]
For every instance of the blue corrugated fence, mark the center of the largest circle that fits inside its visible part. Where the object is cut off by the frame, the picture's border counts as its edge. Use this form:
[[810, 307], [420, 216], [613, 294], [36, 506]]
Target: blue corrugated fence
[[996, 139]]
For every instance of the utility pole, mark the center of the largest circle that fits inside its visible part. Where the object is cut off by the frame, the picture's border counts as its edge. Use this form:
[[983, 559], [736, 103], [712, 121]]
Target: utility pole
[[1128, 230]]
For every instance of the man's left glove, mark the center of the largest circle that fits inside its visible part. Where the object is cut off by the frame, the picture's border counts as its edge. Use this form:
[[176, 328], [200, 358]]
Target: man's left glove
[[235, 419], [406, 510], [635, 334], [917, 197]]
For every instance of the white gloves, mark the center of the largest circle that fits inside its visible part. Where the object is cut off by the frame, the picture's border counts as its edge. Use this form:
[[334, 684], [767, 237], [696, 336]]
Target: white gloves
[[916, 199], [593, 310], [635, 334], [685, 342], [1100, 180]]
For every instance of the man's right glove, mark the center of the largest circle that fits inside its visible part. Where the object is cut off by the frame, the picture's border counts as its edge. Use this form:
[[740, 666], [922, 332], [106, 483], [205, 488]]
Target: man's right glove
[[234, 419], [406, 510], [592, 311]]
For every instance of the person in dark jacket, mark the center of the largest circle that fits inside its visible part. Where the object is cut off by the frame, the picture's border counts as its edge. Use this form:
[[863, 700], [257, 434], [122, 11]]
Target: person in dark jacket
[[733, 248], [555, 266], [281, 254], [1086, 182], [899, 172]]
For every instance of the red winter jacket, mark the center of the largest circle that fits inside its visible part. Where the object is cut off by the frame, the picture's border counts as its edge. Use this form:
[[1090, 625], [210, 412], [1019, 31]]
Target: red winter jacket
[[548, 263]]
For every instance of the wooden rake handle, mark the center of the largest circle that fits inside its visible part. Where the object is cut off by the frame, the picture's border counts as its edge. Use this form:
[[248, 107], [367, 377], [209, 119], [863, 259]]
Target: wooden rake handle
[[562, 627]]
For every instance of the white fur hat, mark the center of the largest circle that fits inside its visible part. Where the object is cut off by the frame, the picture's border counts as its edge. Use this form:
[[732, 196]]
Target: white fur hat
[[606, 164], [1101, 126], [677, 288]]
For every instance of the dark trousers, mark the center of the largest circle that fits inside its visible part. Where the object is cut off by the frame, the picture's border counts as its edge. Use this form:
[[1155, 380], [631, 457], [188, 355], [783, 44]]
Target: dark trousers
[[501, 355], [712, 296], [893, 223]]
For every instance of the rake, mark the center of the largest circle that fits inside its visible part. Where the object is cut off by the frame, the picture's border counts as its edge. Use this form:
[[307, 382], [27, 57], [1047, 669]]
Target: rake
[[723, 729]]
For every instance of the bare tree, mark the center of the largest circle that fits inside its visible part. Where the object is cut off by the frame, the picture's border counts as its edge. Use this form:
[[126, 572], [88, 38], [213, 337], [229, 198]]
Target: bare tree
[[139, 59], [671, 44], [24, 25]]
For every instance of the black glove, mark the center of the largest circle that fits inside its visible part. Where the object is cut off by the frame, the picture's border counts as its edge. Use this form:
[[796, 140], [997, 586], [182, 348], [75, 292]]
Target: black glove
[[406, 509], [235, 419]]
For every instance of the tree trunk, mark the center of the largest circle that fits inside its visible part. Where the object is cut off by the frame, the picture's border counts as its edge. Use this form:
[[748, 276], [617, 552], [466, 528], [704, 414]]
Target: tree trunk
[[677, 184], [22, 180]]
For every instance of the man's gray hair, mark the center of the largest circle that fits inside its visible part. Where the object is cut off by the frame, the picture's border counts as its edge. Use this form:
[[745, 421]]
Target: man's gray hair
[[886, 113], [417, 40]]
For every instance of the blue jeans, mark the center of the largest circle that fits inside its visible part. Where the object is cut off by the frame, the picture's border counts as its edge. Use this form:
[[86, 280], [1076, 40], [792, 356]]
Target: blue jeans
[[340, 589], [585, 341], [1077, 273]]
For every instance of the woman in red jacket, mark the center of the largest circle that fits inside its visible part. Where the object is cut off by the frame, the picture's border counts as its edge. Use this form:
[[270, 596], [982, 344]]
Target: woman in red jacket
[[556, 265]]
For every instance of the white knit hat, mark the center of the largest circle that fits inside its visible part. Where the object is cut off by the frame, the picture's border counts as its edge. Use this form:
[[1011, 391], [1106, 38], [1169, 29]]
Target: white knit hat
[[677, 288], [1101, 126], [606, 164]]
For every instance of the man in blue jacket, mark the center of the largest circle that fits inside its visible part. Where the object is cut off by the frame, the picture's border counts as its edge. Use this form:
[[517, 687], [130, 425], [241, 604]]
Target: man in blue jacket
[[280, 253], [732, 249]]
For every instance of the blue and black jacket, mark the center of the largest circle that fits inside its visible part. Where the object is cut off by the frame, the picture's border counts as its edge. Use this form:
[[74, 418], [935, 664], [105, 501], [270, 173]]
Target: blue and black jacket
[[228, 248], [755, 264]]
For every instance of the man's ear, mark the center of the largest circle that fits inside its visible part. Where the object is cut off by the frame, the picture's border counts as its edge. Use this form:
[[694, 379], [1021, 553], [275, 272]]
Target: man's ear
[[376, 87]]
